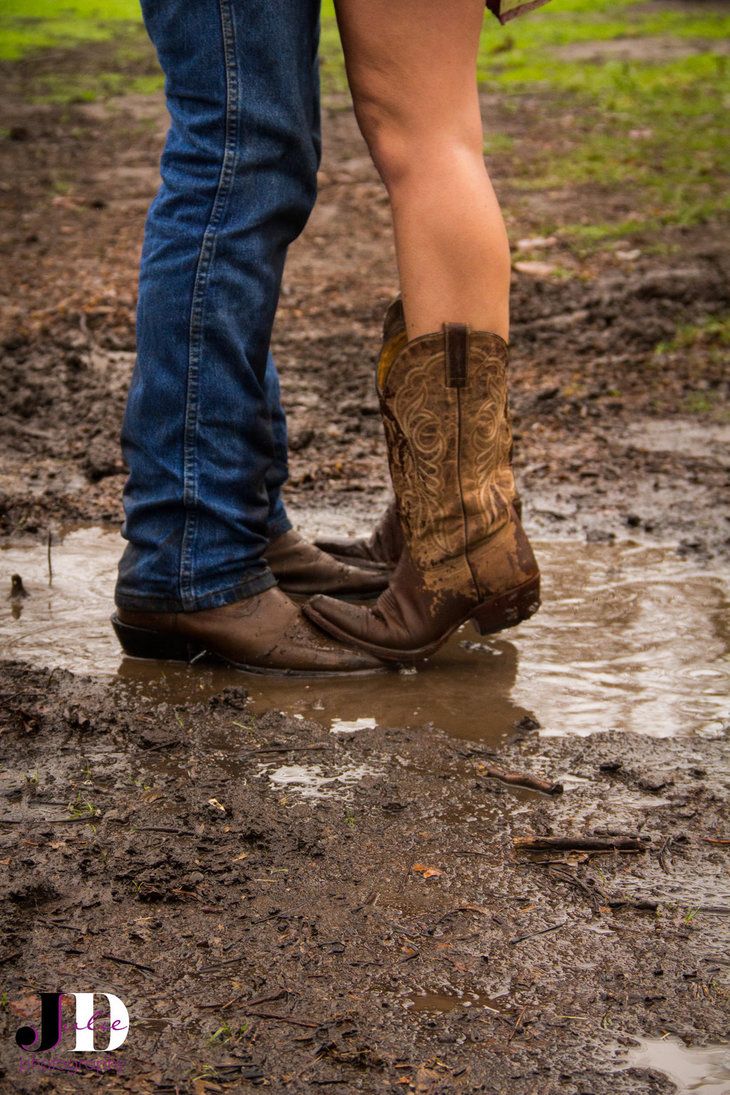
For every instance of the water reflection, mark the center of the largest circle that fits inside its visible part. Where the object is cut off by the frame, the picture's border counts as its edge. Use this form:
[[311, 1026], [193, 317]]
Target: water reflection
[[468, 694]]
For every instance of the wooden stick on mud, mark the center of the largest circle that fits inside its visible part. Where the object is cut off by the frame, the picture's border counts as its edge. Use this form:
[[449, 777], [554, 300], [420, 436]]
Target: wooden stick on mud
[[128, 962], [520, 779], [582, 843], [541, 931], [283, 1018]]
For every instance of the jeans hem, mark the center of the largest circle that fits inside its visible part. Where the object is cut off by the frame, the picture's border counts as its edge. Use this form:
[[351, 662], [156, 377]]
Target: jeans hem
[[279, 528], [216, 599]]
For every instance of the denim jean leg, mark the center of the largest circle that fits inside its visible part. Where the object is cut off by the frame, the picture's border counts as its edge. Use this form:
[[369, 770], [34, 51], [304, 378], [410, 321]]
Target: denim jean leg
[[279, 522], [204, 430], [278, 472]]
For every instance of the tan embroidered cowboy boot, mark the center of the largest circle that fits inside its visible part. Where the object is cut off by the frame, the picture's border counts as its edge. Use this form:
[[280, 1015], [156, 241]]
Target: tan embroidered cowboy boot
[[466, 556], [382, 549]]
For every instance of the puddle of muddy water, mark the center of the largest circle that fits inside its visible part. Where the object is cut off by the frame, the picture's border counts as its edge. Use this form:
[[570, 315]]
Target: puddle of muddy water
[[699, 1070], [630, 637]]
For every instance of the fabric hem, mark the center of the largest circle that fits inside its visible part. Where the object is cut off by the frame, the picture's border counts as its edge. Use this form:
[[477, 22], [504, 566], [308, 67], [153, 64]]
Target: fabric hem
[[520, 11], [279, 528]]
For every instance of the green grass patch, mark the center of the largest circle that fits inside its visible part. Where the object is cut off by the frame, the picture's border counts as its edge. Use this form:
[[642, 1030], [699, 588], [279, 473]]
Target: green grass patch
[[27, 25], [650, 127], [90, 87], [712, 331]]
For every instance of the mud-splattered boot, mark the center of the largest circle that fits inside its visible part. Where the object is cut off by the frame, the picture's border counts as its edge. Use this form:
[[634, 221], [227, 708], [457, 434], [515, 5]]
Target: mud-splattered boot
[[264, 633], [382, 549], [466, 556]]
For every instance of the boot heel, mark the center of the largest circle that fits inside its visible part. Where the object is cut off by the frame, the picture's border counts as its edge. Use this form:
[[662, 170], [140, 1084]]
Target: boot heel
[[138, 642], [508, 609]]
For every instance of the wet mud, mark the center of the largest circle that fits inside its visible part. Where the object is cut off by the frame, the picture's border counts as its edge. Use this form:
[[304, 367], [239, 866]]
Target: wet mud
[[304, 887], [280, 904], [629, 637]]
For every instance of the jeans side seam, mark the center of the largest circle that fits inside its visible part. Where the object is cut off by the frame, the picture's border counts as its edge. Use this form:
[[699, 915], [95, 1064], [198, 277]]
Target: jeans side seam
[[197, 311]]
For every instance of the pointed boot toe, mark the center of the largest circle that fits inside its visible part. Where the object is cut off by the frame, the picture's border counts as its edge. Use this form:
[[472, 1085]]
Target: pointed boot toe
[[336, 618]]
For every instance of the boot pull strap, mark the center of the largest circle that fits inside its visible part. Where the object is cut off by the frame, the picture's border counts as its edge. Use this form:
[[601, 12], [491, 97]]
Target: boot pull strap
[[456, 353]]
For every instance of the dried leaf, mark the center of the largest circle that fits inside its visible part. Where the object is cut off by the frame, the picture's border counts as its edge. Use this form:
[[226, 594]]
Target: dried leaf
[[426, 872]]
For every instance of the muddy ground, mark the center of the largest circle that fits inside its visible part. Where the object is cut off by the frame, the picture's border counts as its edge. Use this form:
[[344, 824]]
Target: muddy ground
[[385, 935]]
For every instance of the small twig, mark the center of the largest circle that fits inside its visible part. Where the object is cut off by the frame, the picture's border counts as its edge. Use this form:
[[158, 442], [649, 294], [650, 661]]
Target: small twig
[[521, 779], [714, 840], [580, 843], [643, 904], [50, 563], [293, 748], [164, 829], [518, 1024], [662, 855], [542, 931], [220, 965], [371, 900], [59, 924], [252, 1003], [283, 1019], [128, 962]]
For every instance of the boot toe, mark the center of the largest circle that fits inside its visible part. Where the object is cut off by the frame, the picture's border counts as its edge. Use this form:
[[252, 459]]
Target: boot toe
[[327, 654], [334, 617]]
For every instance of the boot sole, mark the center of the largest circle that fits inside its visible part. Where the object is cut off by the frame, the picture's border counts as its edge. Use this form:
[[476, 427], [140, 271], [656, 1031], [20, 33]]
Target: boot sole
[[147, 645], [497, 614]]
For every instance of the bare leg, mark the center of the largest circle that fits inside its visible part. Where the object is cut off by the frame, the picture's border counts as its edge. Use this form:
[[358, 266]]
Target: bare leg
[[411, 65]]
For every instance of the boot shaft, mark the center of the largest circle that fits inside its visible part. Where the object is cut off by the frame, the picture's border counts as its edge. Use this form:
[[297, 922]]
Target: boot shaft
[[444, 403]]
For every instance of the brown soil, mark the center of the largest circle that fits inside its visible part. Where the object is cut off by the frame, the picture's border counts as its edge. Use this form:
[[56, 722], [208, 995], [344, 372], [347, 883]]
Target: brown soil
[[342, 942], [305, 930]]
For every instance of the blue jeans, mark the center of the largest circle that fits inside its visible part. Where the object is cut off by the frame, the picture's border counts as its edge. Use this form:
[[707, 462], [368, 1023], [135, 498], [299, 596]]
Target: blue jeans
[[204, 432]]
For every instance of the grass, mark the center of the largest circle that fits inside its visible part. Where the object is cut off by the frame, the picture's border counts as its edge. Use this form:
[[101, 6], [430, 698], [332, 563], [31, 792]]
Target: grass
[[27, 25], [650, 128]]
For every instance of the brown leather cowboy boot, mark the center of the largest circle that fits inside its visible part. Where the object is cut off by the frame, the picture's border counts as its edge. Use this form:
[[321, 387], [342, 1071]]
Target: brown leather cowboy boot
[[444, 404], [301, 569], [265, 633], [380, 552], [382, 549]]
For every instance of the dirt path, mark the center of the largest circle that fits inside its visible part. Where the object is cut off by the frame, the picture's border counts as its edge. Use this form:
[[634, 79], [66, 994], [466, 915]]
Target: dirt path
[[387, 934]]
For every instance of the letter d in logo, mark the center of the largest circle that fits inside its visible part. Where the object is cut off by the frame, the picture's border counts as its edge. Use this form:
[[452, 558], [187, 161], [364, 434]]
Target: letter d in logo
[[85, 1016]]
